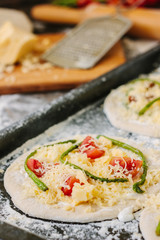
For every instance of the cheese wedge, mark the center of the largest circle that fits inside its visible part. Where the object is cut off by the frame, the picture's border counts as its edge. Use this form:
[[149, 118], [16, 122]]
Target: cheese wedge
[[14, 43]]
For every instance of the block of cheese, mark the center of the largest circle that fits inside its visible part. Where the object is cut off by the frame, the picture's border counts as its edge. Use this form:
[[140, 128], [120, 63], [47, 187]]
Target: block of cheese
[[14, 43], [17, 17]]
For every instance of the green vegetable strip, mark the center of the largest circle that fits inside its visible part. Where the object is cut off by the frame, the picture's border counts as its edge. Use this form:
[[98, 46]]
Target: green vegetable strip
[[158, 229], [69, 3], [145, 79], [136, 186], [145, 108], [148, 105], [85, 171], [35, 179]]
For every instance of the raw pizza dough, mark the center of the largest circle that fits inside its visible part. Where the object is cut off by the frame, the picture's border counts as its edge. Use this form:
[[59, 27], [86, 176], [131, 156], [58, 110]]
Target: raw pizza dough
[[123, 104], [148, 222], [31, 200]]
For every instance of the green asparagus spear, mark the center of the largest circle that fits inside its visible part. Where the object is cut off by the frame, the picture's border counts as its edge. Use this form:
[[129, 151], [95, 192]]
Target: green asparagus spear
[[74, 3], [158, 229], [147, 106], [68, 3], [145, 79], [85, 171], [35, 179], [136, 186]]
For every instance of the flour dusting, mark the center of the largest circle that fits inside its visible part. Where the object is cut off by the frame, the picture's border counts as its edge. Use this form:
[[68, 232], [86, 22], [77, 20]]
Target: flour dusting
[[88, 121]]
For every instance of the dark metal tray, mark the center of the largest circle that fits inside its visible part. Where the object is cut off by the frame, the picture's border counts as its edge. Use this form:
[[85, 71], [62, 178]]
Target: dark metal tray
[[88, 98]]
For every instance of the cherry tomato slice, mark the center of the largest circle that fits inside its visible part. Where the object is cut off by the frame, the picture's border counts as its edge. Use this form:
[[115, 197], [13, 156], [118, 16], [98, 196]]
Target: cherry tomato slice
[[83, 3], [36, 167], [88, 141], [70, 184], [56, 164], [94, 153], [132, 166], [136, 3], [89, 147]]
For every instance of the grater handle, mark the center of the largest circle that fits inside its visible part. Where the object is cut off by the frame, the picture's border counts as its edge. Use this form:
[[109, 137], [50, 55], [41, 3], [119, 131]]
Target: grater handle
[[57, 14], [145, 21]]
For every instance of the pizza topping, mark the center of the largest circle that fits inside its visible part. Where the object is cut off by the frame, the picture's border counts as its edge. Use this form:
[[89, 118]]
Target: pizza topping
[[90, 147], [152, 84], [41, 185], [136, 186], [85, 171], [36, 167], [158, 229], [146, 79], [53, 168], [56, 164], [127, 165], [146, 107], [131, 99], [106, 143], [69, 182], [149, 97]]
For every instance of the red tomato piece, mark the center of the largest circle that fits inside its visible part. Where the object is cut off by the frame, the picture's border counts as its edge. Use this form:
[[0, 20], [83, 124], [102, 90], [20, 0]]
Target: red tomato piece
[[94, 153], [89, 147], [132, 166], [88, 141], [136, 3], [69, 185], [83, 3], [114, 2], [36, 167], [56, 164]]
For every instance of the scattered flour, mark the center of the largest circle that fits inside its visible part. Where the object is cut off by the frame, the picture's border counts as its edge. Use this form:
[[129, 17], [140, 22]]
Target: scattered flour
[[58, 231], [88, 121], [84, 122]]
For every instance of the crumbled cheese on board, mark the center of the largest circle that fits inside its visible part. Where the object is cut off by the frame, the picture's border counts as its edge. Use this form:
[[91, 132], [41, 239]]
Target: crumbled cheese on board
[[14, 43], [27, 51]]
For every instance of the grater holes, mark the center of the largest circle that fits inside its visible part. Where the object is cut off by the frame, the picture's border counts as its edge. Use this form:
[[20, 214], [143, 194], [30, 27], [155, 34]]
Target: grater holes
[[85, 45]]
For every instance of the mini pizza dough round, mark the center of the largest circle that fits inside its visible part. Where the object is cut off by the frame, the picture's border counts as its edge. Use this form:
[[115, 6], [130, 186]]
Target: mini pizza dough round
[[149, 219], [31, 206], [116, 118], [117, 112], [14, 178]]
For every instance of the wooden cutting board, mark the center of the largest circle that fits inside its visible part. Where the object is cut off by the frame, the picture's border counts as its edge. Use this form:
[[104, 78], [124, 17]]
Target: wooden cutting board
[[57, 78], [146, 22]]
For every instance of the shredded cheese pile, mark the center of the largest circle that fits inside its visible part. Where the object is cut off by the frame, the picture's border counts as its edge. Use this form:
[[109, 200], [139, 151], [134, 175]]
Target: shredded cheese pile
[[132, 97], [93, 192]]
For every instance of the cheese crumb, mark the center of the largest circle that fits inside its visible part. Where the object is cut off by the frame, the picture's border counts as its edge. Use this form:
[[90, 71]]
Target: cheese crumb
[[126, 214]]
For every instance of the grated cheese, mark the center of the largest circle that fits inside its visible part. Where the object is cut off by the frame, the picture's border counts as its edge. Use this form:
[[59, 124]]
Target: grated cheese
[[126, 214], [92, 192], [142, 92]]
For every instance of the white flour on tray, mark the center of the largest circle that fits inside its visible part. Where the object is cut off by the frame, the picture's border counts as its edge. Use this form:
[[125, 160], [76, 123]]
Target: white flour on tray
[[88, 121]]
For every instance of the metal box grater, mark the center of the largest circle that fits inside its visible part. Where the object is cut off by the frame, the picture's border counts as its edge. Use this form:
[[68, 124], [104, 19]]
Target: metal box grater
[[87, 43]]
